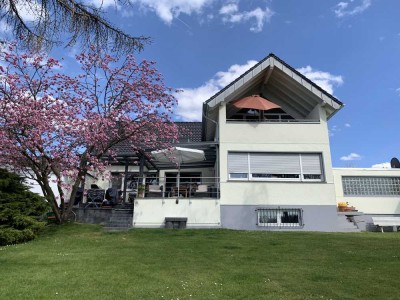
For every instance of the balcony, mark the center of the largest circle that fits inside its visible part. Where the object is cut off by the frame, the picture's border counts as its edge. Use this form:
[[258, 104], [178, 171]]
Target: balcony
[[152, 188]]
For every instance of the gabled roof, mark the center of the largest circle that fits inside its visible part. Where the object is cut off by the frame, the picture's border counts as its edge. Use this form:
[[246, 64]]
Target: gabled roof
[[270, 62], [275, 80]]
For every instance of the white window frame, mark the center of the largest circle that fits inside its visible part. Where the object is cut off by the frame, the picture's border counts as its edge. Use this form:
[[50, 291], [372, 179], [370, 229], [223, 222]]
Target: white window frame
[[301, 175]]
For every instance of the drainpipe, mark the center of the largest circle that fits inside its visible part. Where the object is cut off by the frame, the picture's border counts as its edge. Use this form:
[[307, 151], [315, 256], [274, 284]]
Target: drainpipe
[[216, 139], [125, 179], [141, 170]]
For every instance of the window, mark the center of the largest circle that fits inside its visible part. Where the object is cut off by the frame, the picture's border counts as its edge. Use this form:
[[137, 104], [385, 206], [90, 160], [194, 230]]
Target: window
[[275, 166], [370, 186], [280, 217]]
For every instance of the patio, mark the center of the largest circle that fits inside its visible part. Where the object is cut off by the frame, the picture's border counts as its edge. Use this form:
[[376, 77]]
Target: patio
[[151, 187]]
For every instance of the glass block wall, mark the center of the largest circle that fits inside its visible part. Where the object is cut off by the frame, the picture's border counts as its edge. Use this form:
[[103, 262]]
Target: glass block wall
[[371, 186]]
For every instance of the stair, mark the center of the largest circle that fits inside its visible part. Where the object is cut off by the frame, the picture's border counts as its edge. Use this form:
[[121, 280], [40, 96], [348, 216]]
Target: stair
[[120, 220], [345, 223]]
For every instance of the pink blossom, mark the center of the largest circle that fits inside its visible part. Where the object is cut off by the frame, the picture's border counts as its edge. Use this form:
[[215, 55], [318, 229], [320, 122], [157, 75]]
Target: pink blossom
[[52, 123]]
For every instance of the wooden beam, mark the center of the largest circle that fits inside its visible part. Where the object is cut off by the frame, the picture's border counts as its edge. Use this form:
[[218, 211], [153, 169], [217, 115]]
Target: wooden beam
[[141, 153], [288, 107], [305, 93], [294, 97], [267, 76]]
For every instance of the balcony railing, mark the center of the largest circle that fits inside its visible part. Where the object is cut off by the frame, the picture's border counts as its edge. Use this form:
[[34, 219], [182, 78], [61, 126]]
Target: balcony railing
[[154, 187], [315, 121]]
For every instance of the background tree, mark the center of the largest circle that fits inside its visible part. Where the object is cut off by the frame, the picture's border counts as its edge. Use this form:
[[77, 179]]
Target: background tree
[[51, 123], [20, 210], [71, 19]]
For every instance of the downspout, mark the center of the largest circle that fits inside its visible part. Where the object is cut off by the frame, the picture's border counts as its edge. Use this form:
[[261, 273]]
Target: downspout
[[216, 139], [125, 180]]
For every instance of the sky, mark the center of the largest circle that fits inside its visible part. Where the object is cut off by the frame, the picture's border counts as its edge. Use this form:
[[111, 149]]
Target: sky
[[351, 48]]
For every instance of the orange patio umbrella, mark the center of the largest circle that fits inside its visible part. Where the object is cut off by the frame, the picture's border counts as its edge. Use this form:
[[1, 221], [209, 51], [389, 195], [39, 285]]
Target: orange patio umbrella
[[255, 102]]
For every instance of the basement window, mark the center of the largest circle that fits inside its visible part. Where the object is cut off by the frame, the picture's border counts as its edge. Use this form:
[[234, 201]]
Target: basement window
[[279, 217]]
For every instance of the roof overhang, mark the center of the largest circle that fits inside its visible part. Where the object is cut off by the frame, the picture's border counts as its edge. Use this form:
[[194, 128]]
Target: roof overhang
[[273, 68], [277, 81]]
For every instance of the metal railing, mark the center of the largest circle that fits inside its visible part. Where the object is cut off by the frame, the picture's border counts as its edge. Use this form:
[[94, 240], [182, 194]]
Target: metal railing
[[172, 187], [273, 121], [153, 187]]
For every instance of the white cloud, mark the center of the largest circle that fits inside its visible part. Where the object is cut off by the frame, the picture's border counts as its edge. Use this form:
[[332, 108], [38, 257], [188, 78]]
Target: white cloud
[[385, 165], [229, 8], [352, 7], [224, 78], [167, 10], [27, 10], [103, 3], [334, 129], [323, 79], [398, 91], [351, 156], [231, 14], [190, 100]]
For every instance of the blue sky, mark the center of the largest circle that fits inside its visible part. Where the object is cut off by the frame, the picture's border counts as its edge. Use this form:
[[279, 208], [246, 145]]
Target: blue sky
[[349, 47]]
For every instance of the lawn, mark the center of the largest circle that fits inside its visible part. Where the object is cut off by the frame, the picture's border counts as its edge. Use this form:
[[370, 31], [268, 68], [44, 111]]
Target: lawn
[[84, 262]]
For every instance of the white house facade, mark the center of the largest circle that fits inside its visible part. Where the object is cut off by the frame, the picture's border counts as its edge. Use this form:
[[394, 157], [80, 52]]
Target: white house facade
[[265, 169]]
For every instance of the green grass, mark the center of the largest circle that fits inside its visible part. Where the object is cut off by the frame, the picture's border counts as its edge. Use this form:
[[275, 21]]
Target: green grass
[[83, 262]]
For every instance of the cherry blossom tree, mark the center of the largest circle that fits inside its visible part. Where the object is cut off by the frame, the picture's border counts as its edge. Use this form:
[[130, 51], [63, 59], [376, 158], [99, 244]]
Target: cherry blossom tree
[[52, 124]]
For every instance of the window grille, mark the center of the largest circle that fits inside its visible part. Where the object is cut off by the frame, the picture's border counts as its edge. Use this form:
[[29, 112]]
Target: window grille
[[279, 217], [370, 186]]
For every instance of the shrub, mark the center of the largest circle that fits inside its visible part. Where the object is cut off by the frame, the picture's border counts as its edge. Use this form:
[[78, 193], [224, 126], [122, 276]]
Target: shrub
[[20, 210], [10, 236]]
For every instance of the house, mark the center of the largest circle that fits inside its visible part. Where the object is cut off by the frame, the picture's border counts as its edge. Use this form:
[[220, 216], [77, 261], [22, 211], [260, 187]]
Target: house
[[265, 169]]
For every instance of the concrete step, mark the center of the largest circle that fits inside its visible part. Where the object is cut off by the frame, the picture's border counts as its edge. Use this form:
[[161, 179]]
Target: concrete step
[[345, 225], [118, 225], [114, 229], [119, 222], [349, 230], [122, 212], [121, 216], [125, 217]]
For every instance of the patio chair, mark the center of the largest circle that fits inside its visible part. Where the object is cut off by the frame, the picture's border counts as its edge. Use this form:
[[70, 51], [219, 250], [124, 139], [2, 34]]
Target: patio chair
[[202, 191], [112, 196], [95, 197], [154, 190]]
